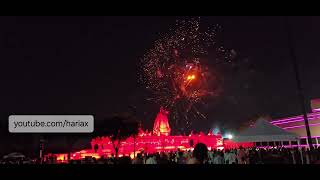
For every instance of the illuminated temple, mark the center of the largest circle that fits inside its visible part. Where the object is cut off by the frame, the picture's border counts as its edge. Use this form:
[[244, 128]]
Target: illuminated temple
[[159, 140]]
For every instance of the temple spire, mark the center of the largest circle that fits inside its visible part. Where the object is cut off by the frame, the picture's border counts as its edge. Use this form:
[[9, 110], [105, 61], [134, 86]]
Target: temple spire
[[161, 124]]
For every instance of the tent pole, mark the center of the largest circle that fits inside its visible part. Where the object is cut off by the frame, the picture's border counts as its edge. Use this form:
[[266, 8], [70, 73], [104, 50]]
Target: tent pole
[[299, 87]]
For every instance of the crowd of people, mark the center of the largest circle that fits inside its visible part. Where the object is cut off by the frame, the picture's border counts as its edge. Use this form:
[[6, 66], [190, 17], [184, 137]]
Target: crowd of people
[[201, 155]]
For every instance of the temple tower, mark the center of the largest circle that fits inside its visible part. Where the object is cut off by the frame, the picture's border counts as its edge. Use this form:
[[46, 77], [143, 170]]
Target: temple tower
[[161, 124]]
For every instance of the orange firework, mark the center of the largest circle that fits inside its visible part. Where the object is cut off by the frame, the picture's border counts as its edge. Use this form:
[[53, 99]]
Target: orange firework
[[174, 70]]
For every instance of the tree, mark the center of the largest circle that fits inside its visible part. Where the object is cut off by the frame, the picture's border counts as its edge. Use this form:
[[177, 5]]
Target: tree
[[118, 128], [70, 139], [65, 142]]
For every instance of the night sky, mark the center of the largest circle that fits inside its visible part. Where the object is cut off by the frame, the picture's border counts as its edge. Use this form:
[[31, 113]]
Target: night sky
[[88, 65]]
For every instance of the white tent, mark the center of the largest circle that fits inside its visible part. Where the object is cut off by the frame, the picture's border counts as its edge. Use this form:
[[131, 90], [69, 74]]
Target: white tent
[[14, 155], [264, 131]]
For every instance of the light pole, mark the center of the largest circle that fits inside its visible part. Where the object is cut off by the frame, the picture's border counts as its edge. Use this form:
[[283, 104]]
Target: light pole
[[299, 87], [134, 146]]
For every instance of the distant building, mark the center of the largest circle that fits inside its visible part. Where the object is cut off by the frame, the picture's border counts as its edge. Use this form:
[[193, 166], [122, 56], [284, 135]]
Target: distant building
[[296, 125]]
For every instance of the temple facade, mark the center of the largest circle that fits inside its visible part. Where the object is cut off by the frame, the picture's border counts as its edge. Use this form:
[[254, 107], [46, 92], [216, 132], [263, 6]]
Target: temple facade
[[158, 140]]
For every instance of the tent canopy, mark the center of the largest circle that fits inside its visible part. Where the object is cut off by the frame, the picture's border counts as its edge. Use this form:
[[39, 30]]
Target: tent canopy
[[263, 131], [14, 155]]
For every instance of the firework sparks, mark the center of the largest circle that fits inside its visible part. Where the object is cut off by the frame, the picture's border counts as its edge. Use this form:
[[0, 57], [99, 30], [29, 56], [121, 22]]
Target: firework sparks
[[173, 69]]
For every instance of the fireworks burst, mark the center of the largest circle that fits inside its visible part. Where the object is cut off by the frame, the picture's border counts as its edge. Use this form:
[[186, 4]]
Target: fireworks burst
[[175, 69]]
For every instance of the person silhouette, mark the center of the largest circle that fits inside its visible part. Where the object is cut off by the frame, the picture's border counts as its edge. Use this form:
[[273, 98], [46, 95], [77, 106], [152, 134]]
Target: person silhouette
[[200, 154]]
